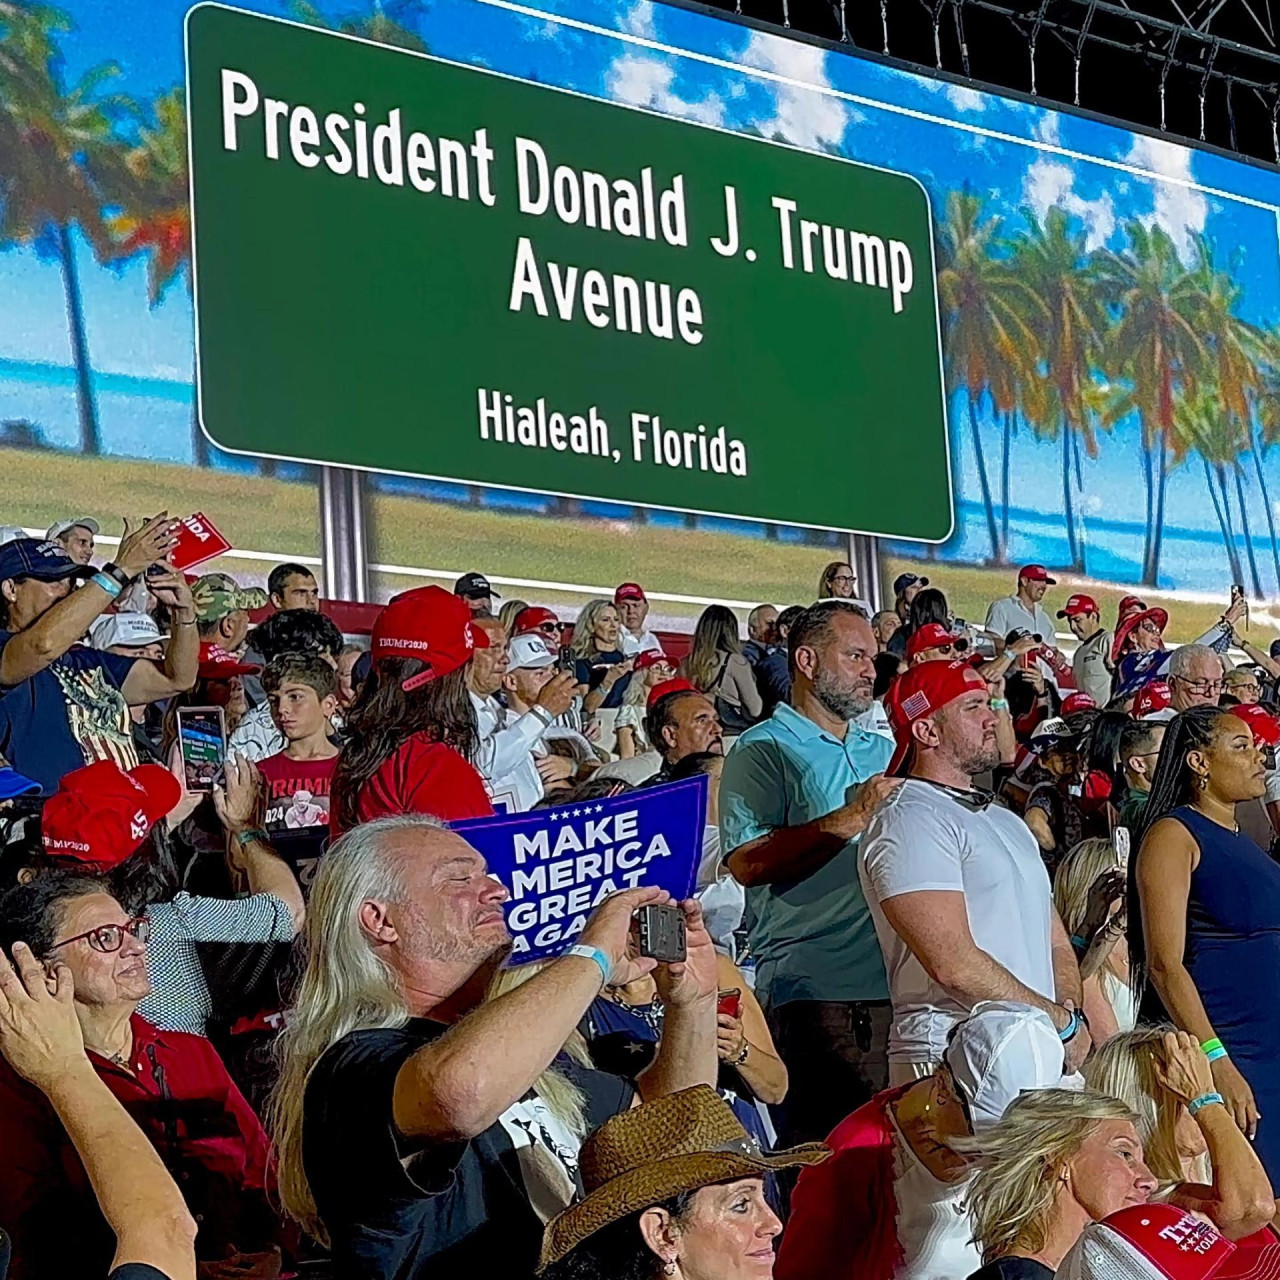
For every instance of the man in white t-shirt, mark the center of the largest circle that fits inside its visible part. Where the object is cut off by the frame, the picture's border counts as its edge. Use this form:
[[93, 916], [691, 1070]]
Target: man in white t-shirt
[[958, 893], [633, 608]]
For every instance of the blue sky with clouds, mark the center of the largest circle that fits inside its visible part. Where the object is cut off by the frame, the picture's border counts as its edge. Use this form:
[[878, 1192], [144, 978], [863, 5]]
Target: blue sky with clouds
[[716, 73]]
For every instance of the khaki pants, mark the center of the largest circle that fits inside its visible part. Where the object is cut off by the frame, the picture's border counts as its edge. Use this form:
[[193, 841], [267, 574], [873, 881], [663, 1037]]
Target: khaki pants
[[906, 1072]]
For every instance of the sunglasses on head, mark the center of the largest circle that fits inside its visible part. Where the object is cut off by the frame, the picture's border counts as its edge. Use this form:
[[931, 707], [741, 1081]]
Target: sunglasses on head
[[109, 938]]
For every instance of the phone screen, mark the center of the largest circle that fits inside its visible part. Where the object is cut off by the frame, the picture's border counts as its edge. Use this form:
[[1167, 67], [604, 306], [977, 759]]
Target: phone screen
[[203, 735]]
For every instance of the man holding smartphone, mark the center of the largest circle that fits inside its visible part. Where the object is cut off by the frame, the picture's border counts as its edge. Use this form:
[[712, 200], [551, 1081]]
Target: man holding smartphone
[[62, 705]]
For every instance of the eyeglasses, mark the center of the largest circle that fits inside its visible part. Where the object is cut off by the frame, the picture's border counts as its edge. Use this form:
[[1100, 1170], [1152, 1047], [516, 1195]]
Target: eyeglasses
[[1148, 625], [551, 628], [844, 577], [109, 938], [1201, 687]]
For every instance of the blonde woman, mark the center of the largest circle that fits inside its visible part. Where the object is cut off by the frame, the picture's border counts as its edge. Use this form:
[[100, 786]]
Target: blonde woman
[[717, 667], [652, 667], [598, 662], [1055, 1162], [509, 612], [1203, 1161], [1108, 998]]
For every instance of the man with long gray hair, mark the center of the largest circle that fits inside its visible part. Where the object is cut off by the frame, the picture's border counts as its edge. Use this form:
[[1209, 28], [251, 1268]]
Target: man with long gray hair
[[423, 1129]]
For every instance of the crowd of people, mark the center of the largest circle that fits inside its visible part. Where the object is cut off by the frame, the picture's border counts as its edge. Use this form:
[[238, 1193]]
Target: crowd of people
[[978, 980]]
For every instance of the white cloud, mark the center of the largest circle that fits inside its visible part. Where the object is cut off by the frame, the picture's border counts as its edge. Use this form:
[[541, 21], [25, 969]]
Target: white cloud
[[805, 117], [647, 81], [1179, 209], [638, 21], [1050, 184], [965, 99]]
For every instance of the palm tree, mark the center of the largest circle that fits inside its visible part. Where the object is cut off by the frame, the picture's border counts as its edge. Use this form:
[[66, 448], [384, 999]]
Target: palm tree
[[1266, 412], [1155, 350], [64, 162], [391, 22], [1202, 426], [1052, 260], [155, 214], [1240, 355], [987, 309]]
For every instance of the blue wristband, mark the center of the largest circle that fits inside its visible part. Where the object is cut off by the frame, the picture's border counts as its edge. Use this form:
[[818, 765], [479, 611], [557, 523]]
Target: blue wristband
[[1214, 1054], [1204, 1100], [109, 585], [594, 953], [1071, 1028]]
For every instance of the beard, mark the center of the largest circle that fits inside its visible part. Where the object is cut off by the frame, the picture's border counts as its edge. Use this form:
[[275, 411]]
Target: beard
[[980, 758], [842, 701]]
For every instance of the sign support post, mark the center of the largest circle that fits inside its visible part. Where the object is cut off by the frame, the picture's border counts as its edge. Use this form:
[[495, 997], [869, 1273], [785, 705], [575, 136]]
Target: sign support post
[[344, 534]]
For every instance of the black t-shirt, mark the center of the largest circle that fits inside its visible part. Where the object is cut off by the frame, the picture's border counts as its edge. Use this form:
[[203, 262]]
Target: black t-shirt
[[591, 672], [442, 1210], [1013, 1269], [137, 1271]]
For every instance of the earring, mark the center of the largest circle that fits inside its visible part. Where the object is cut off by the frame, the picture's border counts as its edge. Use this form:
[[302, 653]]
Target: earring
[[1204, 781], [669, 1267]]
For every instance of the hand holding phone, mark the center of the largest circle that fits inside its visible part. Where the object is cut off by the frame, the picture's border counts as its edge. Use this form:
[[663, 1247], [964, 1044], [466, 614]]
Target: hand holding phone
[[202, 737], [729, 1003], [660, 930]]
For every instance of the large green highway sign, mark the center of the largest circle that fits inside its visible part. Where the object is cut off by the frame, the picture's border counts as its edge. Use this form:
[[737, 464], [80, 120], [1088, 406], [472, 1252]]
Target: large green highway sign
[[408, 265]]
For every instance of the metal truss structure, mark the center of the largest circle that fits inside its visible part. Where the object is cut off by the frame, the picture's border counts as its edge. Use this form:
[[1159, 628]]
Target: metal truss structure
[[1204, 70]]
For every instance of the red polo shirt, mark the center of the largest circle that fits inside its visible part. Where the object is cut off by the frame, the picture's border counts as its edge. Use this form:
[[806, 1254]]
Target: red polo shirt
[[178, 1091]]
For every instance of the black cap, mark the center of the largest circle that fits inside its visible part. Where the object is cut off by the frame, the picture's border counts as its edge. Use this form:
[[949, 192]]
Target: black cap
[[905, 580], [472, 585], [45, 561]]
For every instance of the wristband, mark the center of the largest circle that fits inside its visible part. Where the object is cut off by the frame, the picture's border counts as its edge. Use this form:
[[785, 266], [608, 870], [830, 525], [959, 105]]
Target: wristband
[[595, 954], [1210, 1045], [741, 1057], [1079, 943], [1069, 1031], [109, 585], [1214, 1054], [998, 704], [248, 837], [115, 572], [1204, 1100]]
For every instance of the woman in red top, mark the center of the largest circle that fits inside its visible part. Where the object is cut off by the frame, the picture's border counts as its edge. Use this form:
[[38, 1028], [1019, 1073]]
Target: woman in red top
[[412, 731]]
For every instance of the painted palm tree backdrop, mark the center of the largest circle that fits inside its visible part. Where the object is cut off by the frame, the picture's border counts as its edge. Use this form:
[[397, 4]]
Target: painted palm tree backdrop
[[1110, 302]]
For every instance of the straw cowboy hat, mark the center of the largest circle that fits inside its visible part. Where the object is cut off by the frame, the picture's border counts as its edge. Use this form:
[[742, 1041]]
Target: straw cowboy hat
[[651, 1153]]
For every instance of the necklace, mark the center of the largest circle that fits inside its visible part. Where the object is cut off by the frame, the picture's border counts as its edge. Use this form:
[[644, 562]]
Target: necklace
[[1234, 827]]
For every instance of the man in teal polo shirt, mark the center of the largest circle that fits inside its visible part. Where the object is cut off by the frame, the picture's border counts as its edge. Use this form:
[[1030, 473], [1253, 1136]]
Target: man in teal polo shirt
[[798, 790]]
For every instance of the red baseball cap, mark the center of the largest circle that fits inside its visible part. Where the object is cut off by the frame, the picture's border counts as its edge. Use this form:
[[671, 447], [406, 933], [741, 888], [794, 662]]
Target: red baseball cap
[[677, 685], [1077, 605], [430, 624], [629, 591], [651, 658], [1074, 702], [1148, 1242], [933, 635], [1129, 604], [217, 663], [1153, 697], [100, 814], [532, 619], [1266, 728], [919, 692], [1036, 573]]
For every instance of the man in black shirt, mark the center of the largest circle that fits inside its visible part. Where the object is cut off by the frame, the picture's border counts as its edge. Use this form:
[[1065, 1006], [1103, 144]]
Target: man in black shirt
[[418, 1123]]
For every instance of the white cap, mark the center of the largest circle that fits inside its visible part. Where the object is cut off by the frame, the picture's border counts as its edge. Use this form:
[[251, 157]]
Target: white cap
[[1163, 716], [998, 1052], [81, 522], [127, 630], [529, 650], [8, 532]]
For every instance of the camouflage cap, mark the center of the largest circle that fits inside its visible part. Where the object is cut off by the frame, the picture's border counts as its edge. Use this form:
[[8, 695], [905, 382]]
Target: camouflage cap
[[217, 596]]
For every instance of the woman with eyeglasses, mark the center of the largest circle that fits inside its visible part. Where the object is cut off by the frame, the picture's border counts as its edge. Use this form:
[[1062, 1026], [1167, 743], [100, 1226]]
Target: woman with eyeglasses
[[1204, 916], [837, 581], [1138, 654], [173, 1084]]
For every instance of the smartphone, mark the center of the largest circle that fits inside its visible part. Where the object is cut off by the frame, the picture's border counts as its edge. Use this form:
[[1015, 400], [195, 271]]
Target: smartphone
[[1236, 591], [661, 932], [202, 735], [730, 1002], [566, 662]]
